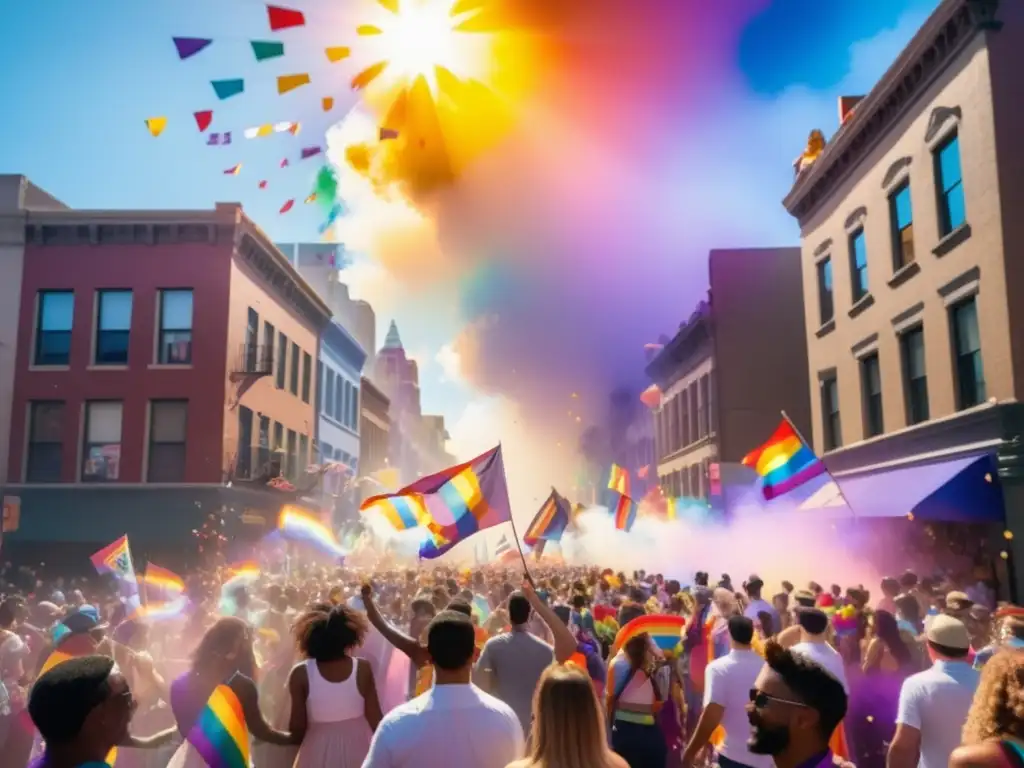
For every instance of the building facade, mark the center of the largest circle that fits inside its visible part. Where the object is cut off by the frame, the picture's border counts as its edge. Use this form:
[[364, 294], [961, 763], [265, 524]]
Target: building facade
[[909, 221], [160, 353], [341, 366], [374, 435], [731, 368]]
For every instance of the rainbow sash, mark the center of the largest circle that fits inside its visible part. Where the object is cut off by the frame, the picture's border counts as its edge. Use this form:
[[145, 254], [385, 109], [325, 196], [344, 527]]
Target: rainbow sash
[[219, 735]]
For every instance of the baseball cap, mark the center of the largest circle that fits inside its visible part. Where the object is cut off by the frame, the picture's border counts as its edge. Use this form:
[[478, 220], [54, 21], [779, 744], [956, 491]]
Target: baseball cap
[[948, 631], [753, 580], [82, 620], [958, 601]]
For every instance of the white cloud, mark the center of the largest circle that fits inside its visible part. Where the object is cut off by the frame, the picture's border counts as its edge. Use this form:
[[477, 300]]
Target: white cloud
[[451, 364]]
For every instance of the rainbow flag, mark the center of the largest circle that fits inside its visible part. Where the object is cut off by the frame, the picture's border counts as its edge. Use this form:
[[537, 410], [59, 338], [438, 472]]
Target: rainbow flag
[[784, 462], [625, 513], [300, 525], [549, 523], [161, 583], [220, 735], [403, 512], [116, 558], [458, 501], [618, 480]]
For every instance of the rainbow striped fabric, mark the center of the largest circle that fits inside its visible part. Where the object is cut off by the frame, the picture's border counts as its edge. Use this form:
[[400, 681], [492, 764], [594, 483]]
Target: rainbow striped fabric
[[456, 502], [618, 480], [784, 462], [301, 525], [403, 512], [161, 583], [219, 734], [550, 521], [625, 513], [116, 558]]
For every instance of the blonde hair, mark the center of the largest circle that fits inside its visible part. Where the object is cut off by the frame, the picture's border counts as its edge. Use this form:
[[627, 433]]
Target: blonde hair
[[568, 722], [998, 707]]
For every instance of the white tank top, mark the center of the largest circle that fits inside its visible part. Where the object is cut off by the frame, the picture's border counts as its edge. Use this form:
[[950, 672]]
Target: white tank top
[[331, 702]]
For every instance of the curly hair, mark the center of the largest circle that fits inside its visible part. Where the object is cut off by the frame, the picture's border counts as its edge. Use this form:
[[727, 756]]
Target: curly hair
[[998, 707], [327, 632]]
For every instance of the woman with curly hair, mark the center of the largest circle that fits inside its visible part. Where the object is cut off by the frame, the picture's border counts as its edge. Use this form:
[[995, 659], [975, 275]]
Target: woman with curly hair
[[334, 697], [994, 731]]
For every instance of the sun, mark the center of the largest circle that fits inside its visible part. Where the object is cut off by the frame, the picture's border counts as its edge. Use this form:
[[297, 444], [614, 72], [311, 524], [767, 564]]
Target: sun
[[416, 39]]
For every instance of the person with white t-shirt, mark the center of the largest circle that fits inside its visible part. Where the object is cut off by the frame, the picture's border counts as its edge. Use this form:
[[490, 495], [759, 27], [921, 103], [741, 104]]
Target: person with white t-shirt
[[814, 644], [756, 605], [727, 685]]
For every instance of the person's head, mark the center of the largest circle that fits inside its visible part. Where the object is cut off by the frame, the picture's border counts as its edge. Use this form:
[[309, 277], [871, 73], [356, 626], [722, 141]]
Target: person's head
[[885, 628], [997, 710], [12, 610], [787, 587], [461, 606], [82, 708], [327, 635], [795, 705], [725, 602], [813, 622], [451, 643], [958, 604], [568, 722], [518, 609], [908, 581], [636, 650], [741, 632], [907, 608], [579, 602], [753, 586], [948, 638], [780, 602], [804, 598], [225, 647], [700, 579]]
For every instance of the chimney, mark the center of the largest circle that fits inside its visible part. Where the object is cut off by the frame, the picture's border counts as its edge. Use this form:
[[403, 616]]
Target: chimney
[[846, 107]]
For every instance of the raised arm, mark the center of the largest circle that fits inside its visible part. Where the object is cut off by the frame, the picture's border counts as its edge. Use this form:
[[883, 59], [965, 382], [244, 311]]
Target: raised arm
[[396, 637], [565, 643]]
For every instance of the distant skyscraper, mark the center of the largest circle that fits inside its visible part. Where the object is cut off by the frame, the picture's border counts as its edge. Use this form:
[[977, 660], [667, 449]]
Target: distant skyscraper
[[398, 378]]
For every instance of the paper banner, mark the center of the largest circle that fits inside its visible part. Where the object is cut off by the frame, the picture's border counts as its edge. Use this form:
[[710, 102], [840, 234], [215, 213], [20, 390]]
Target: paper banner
[[368, 75], [308, 152], [233, 170], [284, 18], [327, 103], [266, 49], [190, 46], [156, 125], [267, 129], [338, 52], [287, 206], [219, 139], [287, 83], [203, 119], [366, 30], [225, 89]]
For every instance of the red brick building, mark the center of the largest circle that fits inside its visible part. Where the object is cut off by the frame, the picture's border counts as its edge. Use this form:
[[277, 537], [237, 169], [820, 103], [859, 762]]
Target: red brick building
[[153, 348]]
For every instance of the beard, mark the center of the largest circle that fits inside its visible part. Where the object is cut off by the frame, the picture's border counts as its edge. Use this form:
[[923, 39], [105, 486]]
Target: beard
[[767, 739]]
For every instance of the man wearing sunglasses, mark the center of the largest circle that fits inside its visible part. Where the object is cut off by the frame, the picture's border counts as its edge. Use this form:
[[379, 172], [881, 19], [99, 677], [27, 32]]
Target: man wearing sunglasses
[[795, 705], [82, 708]]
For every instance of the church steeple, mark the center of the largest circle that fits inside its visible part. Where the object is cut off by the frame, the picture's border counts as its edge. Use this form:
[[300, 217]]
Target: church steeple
[[393, 340]]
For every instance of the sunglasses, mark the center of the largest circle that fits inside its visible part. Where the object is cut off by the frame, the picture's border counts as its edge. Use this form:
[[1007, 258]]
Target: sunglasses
[[760, 700]]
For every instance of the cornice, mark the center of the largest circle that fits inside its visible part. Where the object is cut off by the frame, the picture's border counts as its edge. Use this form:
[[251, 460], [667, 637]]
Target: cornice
[[945, 34]]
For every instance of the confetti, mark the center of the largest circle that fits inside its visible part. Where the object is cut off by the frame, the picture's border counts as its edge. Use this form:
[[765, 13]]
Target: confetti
[[286, 83], [287, 206], [203, 119], [233, 170], [327, 103], [284, 18], [337, 52], [156, 125], [190, 46]]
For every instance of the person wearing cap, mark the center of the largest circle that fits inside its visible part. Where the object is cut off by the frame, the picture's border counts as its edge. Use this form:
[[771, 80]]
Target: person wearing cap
[[80, 633], [958, 604], [933, 704], [756, 605]]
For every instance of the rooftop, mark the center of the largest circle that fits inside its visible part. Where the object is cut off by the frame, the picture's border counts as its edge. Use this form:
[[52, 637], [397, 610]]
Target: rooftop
[[393, 340]]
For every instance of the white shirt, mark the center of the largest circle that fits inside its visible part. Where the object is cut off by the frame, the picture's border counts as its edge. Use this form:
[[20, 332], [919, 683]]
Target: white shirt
[[825, 656], [449, 726], [935, 702], [727, 682]]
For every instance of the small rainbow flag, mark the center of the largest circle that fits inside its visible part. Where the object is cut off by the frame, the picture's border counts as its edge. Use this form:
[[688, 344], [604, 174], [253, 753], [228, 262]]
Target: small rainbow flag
[[625, 513], [116, 559], [618, 480], [403, 512], [784, 462], [163, 581], [162, 611], [549, 523], [664, 629], [243, 573], [219, 734], [300, 525]]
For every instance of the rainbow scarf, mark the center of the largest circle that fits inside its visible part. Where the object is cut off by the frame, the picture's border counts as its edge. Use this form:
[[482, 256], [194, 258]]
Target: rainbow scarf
[[219, 735]]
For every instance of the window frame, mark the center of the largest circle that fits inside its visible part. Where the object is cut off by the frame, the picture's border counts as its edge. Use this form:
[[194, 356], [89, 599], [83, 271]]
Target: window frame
[[832, 434], [163, 330], [908, 381], [152, 444], [867, 396], [97, 344], [281, 376], [979, 398], [293, 379], [899, 255], [88, 445], [942, 192], [307, 374], [32, 420], [42, 333], [858, 291], [824, 273]]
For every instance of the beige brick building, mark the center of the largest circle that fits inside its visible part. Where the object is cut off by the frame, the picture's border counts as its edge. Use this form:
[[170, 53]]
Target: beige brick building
[[911, 232]]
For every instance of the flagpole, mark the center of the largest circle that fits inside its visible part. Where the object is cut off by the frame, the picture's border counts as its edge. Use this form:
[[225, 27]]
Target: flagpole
[[839, 488], [519, 546]]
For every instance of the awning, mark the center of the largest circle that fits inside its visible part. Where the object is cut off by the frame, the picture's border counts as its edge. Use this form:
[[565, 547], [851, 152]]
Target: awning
[[965, 489]]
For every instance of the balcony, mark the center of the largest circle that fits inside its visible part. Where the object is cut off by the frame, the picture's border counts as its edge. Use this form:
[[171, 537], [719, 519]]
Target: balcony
[[253, 360]]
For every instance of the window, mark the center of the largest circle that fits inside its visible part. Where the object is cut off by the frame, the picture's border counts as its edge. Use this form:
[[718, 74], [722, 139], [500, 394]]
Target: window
[[695, 490], [45, 442], [339, 398], [167, 430], [175, 327], [858, 265], [353, 412], [683, 405], [292, 466], [278, 444], [949, 185], [113, 327], [692, 437], [282, 359], [346, 391], [102, 448], [703, 414], [833, 432], [307, 372], [326, 452], [294, 382], [970, 375], [252, 335], [826, 310], [328, 400], [871, 387], [915, 377], [243, 461], [263, 456], [268, 339], [902, 218], [53, 327], [303, 453]]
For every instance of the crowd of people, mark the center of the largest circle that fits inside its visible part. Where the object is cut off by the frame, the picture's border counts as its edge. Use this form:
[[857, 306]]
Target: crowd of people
[[483, 668]]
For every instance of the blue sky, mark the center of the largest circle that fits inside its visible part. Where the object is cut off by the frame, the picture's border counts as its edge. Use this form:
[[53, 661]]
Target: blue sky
[[81, 77]]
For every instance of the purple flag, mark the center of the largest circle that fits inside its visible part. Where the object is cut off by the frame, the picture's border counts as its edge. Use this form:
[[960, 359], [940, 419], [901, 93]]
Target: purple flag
[[310, 152], [190, 46]]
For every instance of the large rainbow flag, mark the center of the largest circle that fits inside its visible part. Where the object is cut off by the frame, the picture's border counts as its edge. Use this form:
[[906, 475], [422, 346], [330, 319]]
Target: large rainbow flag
[[784, 462], [456, 502]]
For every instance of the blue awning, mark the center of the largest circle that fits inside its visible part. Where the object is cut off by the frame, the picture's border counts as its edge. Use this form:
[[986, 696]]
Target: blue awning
[[965, 489]]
